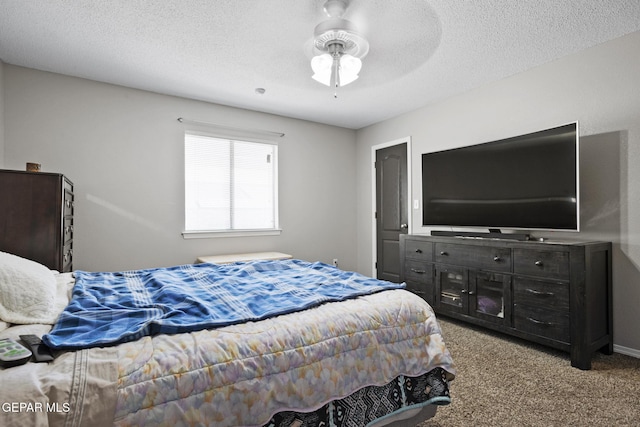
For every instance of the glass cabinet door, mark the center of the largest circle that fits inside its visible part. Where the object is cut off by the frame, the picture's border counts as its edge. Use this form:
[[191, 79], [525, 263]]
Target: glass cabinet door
[[488, 295], [451, 289]]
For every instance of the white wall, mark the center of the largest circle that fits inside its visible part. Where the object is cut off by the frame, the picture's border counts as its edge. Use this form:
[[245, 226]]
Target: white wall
[[600, 88], [123, 149]]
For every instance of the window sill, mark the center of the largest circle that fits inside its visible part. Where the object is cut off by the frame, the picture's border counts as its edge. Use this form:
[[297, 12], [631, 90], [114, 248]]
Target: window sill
[[212, 234]]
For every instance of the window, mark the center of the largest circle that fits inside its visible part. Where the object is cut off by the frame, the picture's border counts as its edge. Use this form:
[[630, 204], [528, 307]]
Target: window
[[230, 185]]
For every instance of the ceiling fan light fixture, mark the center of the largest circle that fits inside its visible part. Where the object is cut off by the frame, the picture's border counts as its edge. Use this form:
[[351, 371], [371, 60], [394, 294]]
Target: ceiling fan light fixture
[[350, 67], [339, 46], [324, 69], [321, 66]]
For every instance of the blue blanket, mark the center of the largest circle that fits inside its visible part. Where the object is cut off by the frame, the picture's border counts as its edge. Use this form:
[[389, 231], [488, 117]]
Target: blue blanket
[[111, 308]]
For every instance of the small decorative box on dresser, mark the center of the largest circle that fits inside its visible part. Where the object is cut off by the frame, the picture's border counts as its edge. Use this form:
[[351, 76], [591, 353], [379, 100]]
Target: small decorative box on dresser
[[36, 219], [552, 293]]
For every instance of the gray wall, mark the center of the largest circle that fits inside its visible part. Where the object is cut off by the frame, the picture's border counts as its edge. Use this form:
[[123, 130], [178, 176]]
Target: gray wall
[[1, 113], [123, 149], [600, 88]]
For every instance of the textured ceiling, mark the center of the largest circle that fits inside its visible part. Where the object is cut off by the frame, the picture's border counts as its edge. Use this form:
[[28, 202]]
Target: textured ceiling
[[221, 51]]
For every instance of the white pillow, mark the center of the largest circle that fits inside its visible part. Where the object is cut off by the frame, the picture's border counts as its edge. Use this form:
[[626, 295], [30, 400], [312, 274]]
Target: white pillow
[[27, 291]]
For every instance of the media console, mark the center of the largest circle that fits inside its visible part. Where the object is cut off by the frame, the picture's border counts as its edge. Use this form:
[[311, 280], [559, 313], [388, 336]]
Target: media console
[[556, 294]]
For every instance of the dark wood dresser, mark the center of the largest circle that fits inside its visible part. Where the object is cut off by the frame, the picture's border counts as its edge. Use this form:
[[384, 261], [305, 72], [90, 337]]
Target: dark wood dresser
[[557, 294], [36, 218]]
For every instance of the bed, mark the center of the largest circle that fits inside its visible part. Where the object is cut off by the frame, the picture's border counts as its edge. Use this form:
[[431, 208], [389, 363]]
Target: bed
[[374, 357]]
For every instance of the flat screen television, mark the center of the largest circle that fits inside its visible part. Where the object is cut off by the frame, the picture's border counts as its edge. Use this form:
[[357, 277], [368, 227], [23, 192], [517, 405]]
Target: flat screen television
[[527, 182]]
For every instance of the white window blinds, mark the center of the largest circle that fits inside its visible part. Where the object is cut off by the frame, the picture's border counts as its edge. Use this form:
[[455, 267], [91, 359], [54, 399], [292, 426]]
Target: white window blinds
[[229, 184]]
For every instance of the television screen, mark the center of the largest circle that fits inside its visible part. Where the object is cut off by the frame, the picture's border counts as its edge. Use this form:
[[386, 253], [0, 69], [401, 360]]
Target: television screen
[[525, 182]]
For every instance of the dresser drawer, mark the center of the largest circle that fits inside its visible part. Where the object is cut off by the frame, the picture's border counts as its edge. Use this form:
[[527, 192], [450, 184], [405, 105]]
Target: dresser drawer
[[416, 271], [550, 264], [67, 258], [481, 257], [423, 288], [418, 250], [551, 324], [68, 230], [68, 204], [541, 294]]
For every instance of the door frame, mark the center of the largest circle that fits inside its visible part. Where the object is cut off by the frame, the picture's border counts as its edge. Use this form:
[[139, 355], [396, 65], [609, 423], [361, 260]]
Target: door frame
[[374, 234]]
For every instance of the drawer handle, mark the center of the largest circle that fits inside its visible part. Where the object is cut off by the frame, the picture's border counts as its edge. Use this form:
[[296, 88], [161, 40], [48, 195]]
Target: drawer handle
[[540, 322], [418, 271], [418, 251], [443, 253], [539, 293], [538, 263]]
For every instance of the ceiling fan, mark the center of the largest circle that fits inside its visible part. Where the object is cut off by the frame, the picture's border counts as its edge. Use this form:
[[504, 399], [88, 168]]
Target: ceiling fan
[[338, 48]]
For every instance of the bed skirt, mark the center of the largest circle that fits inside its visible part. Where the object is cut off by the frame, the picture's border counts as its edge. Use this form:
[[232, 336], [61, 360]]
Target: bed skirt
[[374, 403]]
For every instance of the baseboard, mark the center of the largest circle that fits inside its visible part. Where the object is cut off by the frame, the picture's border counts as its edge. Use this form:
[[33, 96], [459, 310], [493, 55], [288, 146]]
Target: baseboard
[[626, 350]]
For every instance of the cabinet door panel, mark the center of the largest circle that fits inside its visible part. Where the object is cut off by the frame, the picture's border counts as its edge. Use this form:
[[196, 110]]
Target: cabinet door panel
[[489, 296]]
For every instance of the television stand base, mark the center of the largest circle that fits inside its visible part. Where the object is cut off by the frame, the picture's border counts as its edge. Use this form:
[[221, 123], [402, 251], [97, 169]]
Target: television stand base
[[492, 234]]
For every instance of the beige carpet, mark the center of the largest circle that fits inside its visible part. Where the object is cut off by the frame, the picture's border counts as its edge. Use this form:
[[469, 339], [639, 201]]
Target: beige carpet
[[504, 381]]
